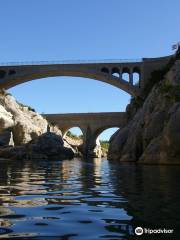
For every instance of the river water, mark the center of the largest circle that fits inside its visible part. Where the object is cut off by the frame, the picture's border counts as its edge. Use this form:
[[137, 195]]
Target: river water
[[87, 199]]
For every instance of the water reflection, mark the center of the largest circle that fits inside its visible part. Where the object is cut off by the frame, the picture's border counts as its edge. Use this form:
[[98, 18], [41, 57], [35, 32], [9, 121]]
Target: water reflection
[[81, 199], [152, 193]]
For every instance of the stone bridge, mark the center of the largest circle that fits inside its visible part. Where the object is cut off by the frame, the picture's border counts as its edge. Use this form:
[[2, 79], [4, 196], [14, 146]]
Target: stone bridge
[[91, 125], [111, 72]]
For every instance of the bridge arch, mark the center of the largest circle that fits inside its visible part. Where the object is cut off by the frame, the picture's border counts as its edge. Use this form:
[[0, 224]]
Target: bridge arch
[[95, 137], [66, 128], [100, 130], [74, 130], [111, 79], [91, 124], [74, 136], [11, 76]]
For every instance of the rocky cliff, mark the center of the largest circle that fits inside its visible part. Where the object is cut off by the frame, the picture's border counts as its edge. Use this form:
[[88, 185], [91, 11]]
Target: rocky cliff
[[26, 134], [152, 135]]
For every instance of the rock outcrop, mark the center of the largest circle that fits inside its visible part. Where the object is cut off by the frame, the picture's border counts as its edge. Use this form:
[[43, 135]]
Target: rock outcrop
[[75, 143], [26, 134], [152, 135]]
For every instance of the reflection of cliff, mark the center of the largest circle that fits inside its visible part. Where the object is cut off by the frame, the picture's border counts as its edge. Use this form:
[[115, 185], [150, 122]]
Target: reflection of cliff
[[148, 189], [39, 179], [21, 179], [151, 193]]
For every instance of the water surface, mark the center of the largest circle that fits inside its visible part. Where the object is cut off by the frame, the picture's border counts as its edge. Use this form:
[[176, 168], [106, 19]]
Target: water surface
[[87, 199]]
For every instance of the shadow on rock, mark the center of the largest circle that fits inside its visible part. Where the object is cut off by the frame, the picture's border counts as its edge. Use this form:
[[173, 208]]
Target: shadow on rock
[[48, 146]]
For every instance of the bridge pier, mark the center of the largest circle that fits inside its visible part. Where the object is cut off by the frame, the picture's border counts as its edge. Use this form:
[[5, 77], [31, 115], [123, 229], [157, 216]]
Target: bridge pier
[[131, 77], [91, 144], [91, 147]]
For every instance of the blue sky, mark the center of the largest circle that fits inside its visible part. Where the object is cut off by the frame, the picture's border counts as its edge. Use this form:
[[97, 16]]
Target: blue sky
[[83, 29]]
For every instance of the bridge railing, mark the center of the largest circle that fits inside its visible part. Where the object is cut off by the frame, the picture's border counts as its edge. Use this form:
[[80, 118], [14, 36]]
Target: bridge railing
[[24, 63]]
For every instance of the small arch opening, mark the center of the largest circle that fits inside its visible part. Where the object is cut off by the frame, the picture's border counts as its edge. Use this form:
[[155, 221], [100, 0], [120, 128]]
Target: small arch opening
[[103, 139], [126, 74], [105, 70], [74, 133], [126, 77], [2, 73], [12, 72], [136, 79], [74, 137], [115, 72], [136, 76]]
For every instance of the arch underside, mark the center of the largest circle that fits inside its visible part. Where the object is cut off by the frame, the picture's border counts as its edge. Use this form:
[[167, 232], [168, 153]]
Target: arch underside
[[10, 82], [65, 129], [100, 130], [96, 131]]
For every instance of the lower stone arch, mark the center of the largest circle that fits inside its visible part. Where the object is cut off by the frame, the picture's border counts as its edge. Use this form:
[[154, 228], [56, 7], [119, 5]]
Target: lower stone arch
[[65, 130], [94, 148], [75, 140]]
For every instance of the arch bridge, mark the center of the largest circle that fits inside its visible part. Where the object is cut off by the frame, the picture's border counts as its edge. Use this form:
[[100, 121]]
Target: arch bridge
[[91, 125], [107, 71]]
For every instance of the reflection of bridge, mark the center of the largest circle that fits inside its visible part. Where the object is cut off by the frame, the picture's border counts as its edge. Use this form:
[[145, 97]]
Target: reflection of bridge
[[91, 125]]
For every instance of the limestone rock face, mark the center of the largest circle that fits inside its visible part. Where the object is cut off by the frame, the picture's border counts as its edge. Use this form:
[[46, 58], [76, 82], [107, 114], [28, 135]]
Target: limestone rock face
[[76, 145], [28, 134], [24, 123], [6, 119], [152, 135], [98, 150]]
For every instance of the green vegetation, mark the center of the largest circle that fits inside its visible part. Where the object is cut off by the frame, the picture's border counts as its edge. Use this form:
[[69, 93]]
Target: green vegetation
[[171, 92], [104, 147], [158, 75], [26, 106], [4, 93], [104, 144], [73, 136]]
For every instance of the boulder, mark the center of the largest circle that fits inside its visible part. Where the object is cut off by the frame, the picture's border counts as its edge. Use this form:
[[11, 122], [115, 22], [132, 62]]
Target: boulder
[[52, 146]]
